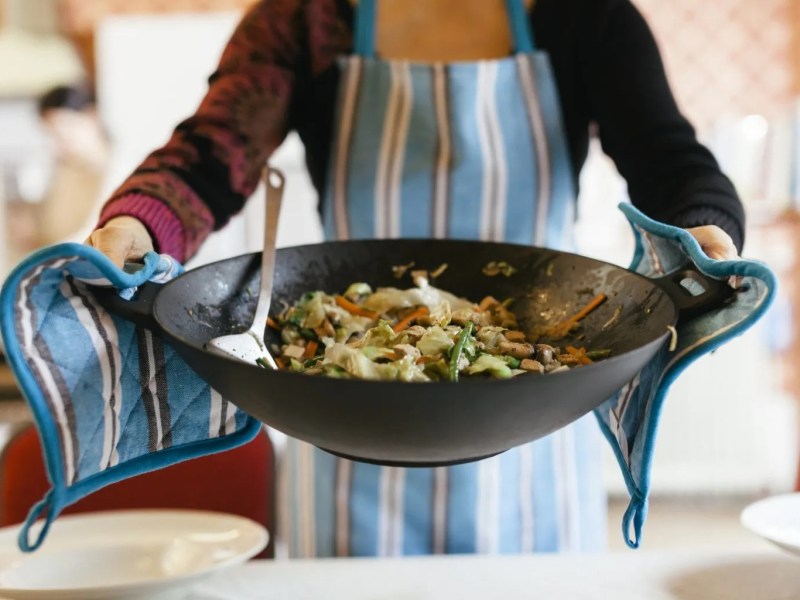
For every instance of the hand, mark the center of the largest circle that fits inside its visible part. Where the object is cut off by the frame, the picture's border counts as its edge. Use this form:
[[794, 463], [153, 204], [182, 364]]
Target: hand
[[714, 242], [122, 239], [717, 245]]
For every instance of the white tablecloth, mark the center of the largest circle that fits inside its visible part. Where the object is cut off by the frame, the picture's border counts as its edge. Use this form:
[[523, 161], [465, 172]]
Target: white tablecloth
[[635, 575]]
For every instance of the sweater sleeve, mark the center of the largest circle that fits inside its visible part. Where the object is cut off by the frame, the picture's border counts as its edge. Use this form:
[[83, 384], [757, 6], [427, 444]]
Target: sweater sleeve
[[670, 175], [213, 161]]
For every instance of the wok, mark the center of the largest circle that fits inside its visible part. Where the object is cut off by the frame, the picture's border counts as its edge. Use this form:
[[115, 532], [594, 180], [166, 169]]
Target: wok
[[422, 424]]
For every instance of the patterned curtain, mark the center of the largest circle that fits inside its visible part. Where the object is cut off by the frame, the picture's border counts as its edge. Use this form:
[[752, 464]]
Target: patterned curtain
[[733, 57]]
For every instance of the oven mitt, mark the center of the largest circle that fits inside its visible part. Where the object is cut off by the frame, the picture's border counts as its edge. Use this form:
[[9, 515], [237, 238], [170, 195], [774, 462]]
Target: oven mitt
[[630, 419], [109, 399]]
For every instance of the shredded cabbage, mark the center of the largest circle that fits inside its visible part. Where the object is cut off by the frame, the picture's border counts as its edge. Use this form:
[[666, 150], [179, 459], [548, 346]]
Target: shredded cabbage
[[314, 310], [441, 315], [385, 299], [381, 335], [358, 289], [357, 364], [435, 341], [491, 364]]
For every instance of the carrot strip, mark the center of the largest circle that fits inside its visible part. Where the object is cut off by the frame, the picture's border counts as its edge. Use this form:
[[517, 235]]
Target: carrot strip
[[561, 329], [567, 359], [273, 323], [488, 303], [311, 349], [580, 355], [355, 309], [596, 301], [280, 362], [422, 360], [412, 316]]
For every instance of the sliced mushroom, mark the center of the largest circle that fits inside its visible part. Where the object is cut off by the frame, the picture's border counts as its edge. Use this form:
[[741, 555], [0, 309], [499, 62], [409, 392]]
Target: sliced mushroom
[[516, 350], [420, 278], [463, 316], [545, 354], [515, 336], [424, 320], [534, 366], [294, 351], [411, 335], [325, 329]]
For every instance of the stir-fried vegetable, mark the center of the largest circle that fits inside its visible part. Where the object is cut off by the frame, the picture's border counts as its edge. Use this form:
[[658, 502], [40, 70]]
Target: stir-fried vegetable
[[410, 318], [562, 329], [458, 350], [499, 267], [417, 334]]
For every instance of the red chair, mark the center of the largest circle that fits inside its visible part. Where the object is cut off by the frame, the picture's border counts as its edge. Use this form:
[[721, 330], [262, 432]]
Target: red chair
[[239, 481]]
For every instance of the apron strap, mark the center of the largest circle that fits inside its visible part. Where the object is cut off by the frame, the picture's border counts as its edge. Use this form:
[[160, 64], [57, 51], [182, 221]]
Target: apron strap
[[520, 27], [364, 44], [365, 29]]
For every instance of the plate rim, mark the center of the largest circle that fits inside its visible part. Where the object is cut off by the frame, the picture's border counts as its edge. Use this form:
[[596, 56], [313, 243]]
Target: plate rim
[[746, 519], [163, 582]]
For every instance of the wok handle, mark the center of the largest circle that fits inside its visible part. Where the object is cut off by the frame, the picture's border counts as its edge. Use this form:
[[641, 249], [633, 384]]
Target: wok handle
[[692, 292], [138, 310]]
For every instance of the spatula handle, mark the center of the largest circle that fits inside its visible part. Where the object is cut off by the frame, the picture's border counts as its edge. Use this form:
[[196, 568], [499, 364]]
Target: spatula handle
[[274, 182]]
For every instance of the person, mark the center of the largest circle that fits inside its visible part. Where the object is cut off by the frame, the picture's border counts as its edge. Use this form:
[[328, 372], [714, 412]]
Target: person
[[81, 153], [448, 118]]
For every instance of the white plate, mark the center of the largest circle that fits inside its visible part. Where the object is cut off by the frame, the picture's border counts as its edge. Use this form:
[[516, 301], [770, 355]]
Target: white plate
[[776, 519], [152, 554]]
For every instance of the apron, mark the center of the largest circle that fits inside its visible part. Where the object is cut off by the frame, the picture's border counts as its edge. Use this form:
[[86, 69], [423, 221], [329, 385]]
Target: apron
[[469, 150]]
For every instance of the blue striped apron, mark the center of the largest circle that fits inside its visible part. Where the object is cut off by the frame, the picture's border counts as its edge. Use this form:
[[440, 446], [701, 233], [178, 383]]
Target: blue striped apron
[[470, 150]]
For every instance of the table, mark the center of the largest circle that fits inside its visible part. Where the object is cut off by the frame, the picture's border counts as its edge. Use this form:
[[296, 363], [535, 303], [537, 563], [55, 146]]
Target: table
[[633, 575]]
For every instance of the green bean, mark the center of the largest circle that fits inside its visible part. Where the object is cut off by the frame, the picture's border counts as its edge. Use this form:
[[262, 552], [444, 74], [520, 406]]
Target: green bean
[[312, 361], [309, 334], [458, 349], [511, 361]]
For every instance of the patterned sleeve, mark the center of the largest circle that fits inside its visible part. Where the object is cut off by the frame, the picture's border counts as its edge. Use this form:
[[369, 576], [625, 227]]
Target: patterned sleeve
[[213, 161]]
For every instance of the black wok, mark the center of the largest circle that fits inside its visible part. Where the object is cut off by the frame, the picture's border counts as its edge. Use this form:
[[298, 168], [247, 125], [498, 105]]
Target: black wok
[[421, 424]]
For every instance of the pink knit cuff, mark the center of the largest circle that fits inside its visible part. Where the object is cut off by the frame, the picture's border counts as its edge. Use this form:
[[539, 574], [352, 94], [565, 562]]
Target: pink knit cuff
[[165, 228]]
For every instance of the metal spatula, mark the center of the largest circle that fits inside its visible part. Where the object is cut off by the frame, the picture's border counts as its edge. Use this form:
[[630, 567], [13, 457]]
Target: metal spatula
[[249, 346]]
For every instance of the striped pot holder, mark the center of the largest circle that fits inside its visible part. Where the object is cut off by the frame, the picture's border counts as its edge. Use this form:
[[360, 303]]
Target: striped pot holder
[[630, 419], [109, 399]]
